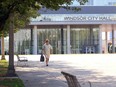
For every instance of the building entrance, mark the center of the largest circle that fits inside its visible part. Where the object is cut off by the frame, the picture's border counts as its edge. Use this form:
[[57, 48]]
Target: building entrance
[[73, 40], [84, 39], [81, 39]]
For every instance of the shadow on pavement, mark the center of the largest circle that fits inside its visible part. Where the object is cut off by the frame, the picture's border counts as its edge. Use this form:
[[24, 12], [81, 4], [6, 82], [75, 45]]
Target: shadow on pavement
[[36, 73]]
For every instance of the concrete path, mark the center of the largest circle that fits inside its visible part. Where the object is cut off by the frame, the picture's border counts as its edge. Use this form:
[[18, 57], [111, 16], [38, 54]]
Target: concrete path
[[99, 69]]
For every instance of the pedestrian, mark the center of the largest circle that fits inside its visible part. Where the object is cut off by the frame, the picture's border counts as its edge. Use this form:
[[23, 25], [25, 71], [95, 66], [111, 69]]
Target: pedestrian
[[47, 50], [110, 47]]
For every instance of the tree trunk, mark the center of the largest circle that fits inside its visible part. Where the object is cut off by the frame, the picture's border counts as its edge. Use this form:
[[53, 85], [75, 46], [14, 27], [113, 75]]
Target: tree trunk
[[11, 69], [2, 47]]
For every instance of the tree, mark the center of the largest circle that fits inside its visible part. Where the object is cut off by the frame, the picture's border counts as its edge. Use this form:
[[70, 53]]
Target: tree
[[19, 22], [18, 9], [7, 7]]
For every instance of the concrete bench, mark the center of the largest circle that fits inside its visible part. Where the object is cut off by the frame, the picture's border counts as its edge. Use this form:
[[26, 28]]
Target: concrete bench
[[73, 82]]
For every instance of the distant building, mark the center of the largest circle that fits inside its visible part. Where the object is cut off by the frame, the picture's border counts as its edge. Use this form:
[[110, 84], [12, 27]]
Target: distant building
[[69, 32]]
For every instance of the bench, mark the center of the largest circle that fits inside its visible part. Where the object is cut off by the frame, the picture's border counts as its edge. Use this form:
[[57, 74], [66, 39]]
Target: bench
[[23, 60], [72, 80]]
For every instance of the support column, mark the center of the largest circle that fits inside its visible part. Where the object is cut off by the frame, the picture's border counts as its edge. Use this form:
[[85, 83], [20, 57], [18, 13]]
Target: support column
[[91, 36], [31, 49], [100, 39], [35, 40], [106, 42], [68, 40], [113, 47], [62, 41]]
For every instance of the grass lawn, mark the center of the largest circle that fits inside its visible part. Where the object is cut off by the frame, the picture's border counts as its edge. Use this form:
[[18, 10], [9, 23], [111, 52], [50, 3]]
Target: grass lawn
[[3, 67], [8, 82], [11, 82]]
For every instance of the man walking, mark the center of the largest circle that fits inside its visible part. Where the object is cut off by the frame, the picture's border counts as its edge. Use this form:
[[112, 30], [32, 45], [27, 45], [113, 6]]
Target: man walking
[[47, 49]]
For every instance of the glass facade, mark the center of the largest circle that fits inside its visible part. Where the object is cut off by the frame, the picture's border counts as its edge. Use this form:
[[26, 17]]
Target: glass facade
[[83, 38], [54, 36], [80, 39], [22, 41]]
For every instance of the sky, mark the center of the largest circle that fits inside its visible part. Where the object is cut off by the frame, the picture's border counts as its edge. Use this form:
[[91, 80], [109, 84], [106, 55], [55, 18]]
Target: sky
[[99, 2]]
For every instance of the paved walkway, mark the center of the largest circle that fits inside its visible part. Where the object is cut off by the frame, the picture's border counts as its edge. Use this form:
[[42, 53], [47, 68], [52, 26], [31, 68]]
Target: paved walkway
[[96, 68]]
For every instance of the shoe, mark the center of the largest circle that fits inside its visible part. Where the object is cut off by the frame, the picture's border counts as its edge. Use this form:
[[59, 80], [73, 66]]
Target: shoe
[[46, 64]]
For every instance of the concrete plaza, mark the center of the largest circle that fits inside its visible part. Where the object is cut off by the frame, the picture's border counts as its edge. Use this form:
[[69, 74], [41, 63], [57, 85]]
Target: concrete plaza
[[99, 69]]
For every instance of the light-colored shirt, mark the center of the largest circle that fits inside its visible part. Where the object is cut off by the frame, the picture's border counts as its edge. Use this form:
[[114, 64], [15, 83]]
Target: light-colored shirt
[[47, 49]]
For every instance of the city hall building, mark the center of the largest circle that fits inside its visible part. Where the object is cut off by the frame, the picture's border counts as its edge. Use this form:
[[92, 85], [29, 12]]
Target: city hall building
[[88, 30]]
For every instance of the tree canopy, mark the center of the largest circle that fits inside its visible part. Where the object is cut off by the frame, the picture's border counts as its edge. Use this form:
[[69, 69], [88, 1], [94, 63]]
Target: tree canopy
[[22, 10]]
